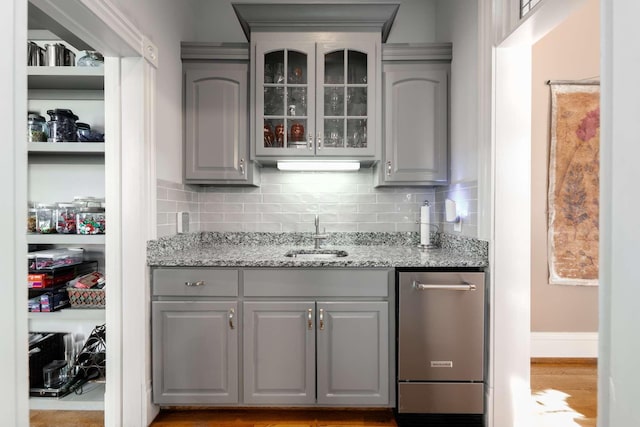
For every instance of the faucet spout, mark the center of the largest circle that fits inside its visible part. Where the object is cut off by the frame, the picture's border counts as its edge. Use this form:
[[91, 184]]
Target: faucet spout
[[318, 237]]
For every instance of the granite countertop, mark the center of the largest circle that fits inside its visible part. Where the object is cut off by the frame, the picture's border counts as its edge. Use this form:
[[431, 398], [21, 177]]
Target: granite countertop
[[365, 250]]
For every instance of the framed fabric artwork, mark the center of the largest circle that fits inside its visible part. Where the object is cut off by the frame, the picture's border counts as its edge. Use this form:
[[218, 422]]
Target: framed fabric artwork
[[574, 170]]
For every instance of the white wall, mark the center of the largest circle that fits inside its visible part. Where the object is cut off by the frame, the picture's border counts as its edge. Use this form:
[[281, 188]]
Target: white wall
[[166, 23], [217, 22], [618, 375]]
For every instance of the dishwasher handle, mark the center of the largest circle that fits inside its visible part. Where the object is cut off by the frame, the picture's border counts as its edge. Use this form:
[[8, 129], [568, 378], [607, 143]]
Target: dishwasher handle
[[464, 286]]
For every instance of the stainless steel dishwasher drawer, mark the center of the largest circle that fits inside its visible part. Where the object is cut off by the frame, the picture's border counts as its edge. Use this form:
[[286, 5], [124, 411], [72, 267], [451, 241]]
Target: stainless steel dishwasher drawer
[[441, 398]]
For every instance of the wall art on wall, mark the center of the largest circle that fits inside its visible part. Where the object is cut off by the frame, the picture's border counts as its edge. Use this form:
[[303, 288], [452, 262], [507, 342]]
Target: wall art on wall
[[574, 170]]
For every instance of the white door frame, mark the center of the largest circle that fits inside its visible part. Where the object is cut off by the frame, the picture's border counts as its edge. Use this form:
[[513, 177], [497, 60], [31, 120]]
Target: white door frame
[[131, 61]]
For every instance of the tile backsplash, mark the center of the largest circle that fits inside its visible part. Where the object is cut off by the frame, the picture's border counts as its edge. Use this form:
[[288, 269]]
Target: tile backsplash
[[288, 201], [465, 195]]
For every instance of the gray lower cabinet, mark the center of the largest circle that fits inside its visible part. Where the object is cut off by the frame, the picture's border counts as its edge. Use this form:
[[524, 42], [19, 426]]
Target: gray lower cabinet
[[195, 352], [416, 116], [279, 352], [353, 353], [331, 353]]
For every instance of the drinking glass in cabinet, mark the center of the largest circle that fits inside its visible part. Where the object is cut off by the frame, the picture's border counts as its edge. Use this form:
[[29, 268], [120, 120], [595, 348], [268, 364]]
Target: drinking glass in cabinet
[[333, 132], [357, 133], [334, 67], [356, 67], [334, 101]]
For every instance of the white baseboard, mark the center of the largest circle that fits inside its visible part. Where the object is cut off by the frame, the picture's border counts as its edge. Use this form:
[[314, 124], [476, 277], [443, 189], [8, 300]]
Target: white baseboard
[[564, 344]]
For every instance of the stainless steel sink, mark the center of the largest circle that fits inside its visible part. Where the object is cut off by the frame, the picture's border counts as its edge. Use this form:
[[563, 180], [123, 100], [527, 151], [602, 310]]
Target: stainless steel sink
[[316, 253]]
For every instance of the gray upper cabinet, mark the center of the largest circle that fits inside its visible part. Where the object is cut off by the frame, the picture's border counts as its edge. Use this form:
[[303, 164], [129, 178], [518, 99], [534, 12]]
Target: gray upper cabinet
[[416, 125], [353, 353], [195, 352], [216, 117], [316, 98]]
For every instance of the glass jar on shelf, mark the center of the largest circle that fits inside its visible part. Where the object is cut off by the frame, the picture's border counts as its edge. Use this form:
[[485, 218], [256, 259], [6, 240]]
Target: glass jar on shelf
[[31, 218], [91, 220], [66, 218], [62, 125], [36, 128], [45, 223]]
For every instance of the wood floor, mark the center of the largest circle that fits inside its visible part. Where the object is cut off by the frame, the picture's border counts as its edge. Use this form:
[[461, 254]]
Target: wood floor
[[564, 394]]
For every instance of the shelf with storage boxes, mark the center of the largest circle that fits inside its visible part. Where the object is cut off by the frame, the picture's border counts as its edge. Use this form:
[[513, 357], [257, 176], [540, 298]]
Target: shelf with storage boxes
[[66, 190]]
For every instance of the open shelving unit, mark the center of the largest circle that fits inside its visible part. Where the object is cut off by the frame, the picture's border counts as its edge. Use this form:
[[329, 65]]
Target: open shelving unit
[[57, 172]]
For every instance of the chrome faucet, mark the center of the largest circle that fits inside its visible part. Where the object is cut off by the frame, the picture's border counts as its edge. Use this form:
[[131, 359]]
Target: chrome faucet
[[318, 237]]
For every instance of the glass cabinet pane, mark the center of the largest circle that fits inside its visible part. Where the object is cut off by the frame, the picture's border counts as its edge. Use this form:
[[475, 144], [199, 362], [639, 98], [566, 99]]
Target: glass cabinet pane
[[357, 67], [357, 133], [297, 101], [274, 101], [334, 101], [274, 67], [296, 137], [274, 134], [296, 67], [334, 133], [334, 67], [357, 101]]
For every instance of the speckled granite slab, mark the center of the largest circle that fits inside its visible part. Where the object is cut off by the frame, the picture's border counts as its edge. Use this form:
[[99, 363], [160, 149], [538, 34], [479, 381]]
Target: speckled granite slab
[[368, 250]]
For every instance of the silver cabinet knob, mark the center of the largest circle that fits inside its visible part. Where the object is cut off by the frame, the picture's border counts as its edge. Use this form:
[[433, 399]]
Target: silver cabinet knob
[[389, 168], [241, 166], [194, 284], [310, 319], [321, 319]]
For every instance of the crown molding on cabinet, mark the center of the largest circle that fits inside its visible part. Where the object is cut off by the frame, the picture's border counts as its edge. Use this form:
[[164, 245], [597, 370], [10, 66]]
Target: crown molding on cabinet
[[417, 52], [332, 16], [214, 51]]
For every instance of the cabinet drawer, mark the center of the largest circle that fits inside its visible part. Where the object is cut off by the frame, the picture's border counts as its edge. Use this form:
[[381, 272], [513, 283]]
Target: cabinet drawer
[[195, 282], [316, 283]]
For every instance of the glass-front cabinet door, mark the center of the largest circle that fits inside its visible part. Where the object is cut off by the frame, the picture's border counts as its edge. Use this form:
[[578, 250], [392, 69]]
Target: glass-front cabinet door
[[345, 102], [315, 99], [285, 99]]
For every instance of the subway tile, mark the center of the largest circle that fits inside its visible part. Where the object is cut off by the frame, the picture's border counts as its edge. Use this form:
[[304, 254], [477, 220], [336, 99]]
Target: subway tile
[[337, 208], [166, 206], [395, 197], [407, 226], [395, 217], [376, 226], [221, 226], [281, 218], [210, 197], [187, 206], [301, 207], [263, 227], [161, 219], [241, 217], [161, 193], [243, 198], [378, 207], [365, 188], [342, 227], [281, 198], [220, 207], [357, 217], [270, 188], [165, 230], [357, 198], [211, 217], [324, 218]]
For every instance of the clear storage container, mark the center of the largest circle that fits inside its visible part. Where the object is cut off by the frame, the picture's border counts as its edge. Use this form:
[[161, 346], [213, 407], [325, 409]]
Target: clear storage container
[[37, 128], [32, 219], [91, 220], [62, 126], [66, 218], [45, 223], [58, 257]]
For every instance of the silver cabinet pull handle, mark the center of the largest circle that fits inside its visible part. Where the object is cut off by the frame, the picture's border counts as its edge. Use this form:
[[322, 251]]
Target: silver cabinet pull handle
[[389, 168], [464, 286], [321, 315], [232, 313], [198, 283], [241, 166], [319, 141], [310, 141], [310, 319]]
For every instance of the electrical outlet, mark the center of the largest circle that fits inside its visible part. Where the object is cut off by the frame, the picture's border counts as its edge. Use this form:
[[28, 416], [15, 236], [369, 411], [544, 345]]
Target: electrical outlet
[[182, 222]]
